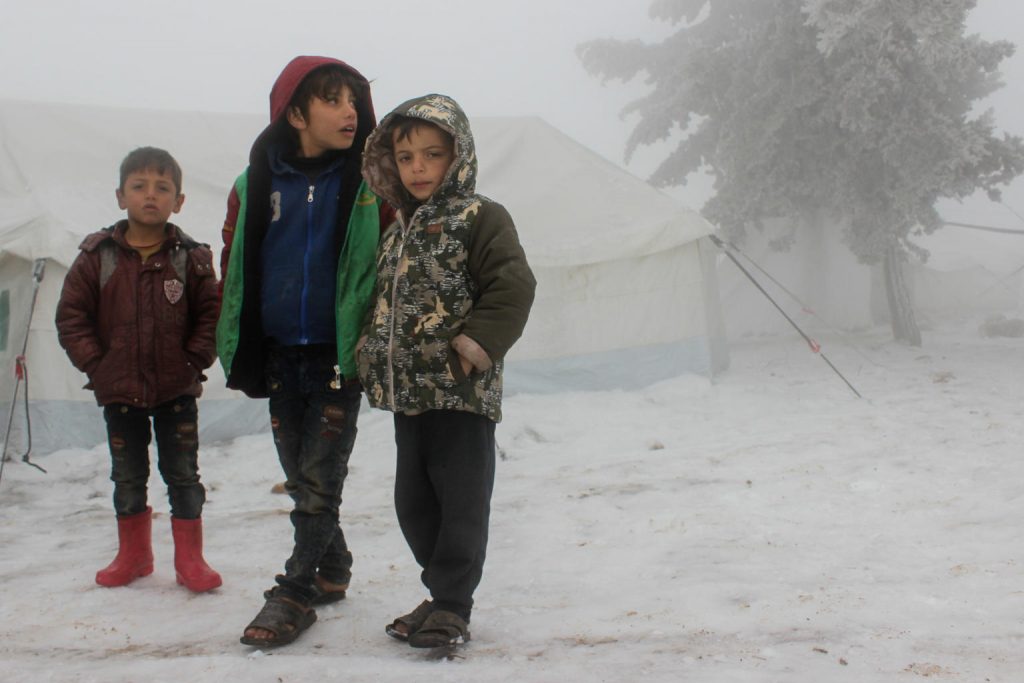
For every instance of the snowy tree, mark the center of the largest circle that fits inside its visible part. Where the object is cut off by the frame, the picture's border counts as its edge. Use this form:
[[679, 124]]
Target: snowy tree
[[858, 111]]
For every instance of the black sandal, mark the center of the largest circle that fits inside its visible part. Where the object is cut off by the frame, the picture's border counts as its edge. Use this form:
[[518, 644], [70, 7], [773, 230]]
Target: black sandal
[[441, 629], [285, 618], [411, 621]]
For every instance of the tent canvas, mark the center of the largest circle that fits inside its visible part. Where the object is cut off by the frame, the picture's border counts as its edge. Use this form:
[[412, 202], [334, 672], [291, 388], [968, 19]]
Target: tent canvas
[[626, 289], [969, 273]]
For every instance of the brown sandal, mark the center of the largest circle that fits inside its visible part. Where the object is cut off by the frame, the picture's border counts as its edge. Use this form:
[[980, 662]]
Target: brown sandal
[[284, 618], [409, 623]]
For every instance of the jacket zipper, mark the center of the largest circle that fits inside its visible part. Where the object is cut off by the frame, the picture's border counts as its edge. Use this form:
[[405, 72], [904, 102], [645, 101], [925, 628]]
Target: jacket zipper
[[394, 303], [138, 326], [304, 311]]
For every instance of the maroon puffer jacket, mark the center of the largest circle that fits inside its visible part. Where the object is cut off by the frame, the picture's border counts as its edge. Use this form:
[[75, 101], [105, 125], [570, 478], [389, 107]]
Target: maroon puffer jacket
[[145, 338]]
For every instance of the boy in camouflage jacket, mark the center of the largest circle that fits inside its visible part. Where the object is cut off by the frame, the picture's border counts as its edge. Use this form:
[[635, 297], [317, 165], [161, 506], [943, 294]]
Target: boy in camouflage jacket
[[453, 294]]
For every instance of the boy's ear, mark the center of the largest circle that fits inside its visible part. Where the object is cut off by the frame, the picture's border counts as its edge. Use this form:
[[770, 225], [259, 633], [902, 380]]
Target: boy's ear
[[120, 199], [295, 118], [178, 202]]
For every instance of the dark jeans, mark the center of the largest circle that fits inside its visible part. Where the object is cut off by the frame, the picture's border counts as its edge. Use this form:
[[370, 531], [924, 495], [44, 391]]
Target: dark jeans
[[177, 445], [314, 425], [443, 485]]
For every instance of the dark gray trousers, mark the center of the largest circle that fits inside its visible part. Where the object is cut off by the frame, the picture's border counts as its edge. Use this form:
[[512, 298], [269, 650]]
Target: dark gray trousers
[[314, 425], [177, 445], [443, 484]]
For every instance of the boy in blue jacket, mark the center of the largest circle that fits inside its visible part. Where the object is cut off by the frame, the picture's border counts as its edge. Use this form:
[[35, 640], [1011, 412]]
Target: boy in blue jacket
[[298, 263]]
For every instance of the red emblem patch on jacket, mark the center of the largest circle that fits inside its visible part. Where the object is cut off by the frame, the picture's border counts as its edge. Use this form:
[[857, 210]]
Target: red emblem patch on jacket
[[173, 289]]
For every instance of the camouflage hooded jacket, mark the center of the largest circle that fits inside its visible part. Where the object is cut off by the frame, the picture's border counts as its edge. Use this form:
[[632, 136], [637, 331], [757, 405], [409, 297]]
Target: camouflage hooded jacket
[[447, 269]]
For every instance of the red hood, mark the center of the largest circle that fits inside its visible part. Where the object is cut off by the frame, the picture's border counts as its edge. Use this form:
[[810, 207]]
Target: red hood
[[281, 94], [292, 75]]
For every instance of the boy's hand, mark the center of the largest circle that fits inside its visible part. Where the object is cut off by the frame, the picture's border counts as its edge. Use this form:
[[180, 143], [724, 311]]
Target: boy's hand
[[471, 354]]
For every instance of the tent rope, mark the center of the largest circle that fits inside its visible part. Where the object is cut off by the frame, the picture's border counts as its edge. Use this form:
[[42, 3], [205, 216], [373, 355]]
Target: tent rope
[[985, 228], [813, 345], [1001, 282], [803, 306]]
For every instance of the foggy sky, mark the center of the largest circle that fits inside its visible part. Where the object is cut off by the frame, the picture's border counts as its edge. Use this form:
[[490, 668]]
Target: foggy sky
[[496, 58]]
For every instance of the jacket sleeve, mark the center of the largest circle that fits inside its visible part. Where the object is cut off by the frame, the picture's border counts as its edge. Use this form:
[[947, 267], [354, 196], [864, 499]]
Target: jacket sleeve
[[204, 307], [388, 215], [504, 280], [227, 234], [77, 311]]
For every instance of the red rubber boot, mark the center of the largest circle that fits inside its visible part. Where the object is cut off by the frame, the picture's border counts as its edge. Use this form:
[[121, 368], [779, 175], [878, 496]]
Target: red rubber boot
[[135, 551], [189, 565]]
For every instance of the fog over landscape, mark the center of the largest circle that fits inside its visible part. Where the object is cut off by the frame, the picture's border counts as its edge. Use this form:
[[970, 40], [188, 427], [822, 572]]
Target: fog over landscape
[[495, 58], [784, 519]]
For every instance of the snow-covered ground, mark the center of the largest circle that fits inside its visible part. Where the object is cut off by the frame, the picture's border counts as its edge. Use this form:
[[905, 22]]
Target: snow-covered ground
[[769, 526]]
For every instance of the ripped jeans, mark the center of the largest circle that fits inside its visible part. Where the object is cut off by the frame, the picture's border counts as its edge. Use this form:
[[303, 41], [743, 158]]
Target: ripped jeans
[[175, 424], [313, 418]]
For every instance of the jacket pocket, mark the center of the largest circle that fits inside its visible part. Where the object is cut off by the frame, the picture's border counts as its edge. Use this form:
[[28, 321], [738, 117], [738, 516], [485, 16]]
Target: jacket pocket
[[176, 371], [111, 372]]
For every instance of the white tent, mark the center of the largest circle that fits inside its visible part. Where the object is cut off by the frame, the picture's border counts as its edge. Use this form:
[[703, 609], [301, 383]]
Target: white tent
[[969, 273], [626, 286], [819, 282]]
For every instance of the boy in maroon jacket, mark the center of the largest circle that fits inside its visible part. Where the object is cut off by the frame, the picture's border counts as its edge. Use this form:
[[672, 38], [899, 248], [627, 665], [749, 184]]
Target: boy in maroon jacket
[[137, 314]]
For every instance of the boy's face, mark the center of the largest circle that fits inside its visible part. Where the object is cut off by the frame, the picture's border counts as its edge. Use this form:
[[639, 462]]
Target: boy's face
[[423, 159], [149, 197], [330, 125]]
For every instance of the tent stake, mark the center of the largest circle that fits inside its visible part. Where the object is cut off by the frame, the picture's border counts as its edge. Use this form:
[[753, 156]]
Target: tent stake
[[38, 270]]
